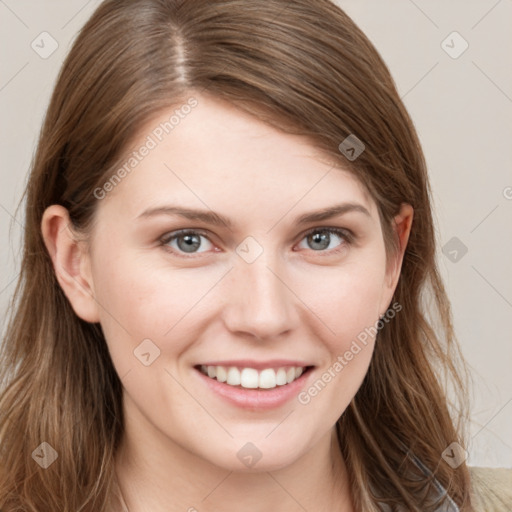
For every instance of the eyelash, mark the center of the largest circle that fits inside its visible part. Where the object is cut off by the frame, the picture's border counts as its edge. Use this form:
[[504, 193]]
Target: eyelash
[[346, 235]]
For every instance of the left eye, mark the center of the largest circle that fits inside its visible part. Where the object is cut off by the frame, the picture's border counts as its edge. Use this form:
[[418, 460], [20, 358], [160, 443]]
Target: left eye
[[187, 241], [320, 239]]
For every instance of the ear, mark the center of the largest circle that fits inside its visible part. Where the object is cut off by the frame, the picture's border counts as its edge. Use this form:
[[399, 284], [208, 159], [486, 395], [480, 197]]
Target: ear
[[402, 224], [71, 262]]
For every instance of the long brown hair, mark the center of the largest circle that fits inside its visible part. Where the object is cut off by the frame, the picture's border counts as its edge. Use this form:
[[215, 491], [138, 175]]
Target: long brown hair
[[304, 67]]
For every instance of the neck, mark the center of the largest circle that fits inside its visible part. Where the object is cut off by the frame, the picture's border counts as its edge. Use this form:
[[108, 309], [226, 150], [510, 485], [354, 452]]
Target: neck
[[156, 474]]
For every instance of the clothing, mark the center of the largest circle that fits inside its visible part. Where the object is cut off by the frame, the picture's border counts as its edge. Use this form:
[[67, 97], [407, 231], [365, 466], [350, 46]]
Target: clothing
[[491, 490], [448, 506]]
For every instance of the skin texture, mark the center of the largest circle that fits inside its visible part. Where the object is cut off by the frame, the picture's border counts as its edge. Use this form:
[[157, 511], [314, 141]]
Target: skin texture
[[295, 301]]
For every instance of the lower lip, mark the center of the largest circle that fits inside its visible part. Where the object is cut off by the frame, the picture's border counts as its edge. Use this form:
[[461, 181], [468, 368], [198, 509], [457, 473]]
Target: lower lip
[[256, 399]]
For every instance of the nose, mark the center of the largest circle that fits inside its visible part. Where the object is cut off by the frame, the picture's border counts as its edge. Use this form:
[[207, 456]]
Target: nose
[[258, 301]]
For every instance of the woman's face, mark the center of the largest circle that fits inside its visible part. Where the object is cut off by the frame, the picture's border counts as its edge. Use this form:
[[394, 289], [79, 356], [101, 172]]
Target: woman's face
[[251, 293]]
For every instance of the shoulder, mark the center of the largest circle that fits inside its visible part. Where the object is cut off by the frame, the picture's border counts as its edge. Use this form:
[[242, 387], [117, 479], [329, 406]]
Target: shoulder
[[491, 489]]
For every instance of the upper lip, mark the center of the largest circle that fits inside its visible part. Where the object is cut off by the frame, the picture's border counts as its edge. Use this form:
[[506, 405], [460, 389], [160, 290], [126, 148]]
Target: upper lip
[[257, 365]]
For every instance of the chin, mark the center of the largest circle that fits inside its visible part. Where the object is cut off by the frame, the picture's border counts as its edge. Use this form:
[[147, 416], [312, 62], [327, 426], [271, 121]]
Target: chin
[[256, 456]]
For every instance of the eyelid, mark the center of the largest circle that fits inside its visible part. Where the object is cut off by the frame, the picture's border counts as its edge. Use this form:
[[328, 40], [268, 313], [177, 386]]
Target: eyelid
[[185, 231], [333, 229]]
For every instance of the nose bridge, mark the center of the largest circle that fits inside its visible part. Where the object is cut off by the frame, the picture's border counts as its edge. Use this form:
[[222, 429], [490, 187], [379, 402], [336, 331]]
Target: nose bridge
[[266, 288], [261, 303]]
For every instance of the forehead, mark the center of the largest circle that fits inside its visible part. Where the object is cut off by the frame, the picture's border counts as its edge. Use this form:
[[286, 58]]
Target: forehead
[[220, 157]]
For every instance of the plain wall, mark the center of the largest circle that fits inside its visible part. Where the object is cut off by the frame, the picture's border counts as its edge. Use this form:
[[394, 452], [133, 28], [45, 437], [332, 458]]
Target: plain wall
[[461, 106]]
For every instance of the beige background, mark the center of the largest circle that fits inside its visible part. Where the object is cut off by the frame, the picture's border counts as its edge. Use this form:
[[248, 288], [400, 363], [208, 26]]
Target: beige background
[[462, 108]]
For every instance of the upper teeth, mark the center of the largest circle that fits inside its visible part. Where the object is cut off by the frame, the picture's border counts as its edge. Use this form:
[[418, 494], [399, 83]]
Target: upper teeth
[[252, 378]]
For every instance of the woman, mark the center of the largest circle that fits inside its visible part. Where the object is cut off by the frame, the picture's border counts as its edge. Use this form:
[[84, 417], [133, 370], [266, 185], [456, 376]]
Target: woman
[[228, 248]]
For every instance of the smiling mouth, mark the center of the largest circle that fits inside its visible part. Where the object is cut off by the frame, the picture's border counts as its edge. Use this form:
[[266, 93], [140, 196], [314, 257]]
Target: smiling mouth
[[250, 378]]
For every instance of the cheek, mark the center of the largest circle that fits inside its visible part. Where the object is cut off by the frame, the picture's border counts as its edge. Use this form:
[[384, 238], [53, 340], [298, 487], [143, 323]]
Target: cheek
[[348, 304], [347, 299], [140, 301]]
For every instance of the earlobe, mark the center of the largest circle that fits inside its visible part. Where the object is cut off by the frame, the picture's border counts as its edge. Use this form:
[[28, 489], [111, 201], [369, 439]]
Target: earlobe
[[71, 262]]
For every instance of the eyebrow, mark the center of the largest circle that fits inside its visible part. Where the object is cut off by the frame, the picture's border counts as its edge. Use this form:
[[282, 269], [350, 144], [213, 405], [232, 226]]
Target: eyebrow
[[216, 219]]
